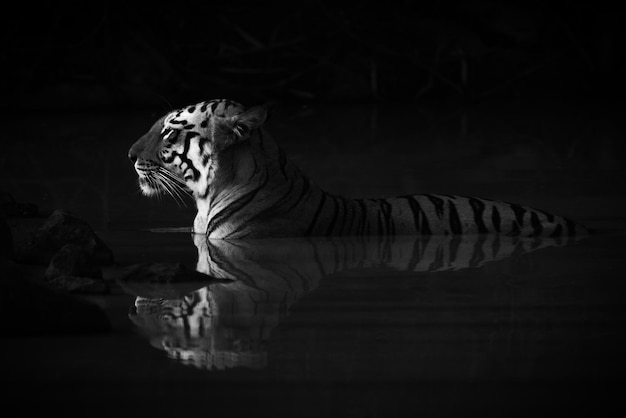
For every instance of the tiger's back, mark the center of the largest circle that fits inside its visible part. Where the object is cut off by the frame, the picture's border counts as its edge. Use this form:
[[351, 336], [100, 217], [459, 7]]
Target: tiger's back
[[431, 214]]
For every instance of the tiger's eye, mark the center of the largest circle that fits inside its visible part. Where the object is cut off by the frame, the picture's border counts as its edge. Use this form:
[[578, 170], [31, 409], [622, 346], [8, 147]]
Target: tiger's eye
[[170, 135]]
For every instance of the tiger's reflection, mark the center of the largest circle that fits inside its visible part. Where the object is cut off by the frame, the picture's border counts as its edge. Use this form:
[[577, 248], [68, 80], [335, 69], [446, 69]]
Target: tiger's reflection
[[228, 323]]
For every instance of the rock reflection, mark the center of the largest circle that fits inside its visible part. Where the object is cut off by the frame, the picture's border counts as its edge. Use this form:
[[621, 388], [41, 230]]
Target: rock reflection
[[251, 286]]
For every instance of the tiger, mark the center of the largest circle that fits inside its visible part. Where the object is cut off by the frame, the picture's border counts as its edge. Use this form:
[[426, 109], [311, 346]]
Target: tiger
[[244, 186], [227, 323]]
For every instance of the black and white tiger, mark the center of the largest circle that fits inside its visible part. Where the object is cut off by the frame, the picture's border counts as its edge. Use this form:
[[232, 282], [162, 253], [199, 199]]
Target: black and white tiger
[[245, 187]]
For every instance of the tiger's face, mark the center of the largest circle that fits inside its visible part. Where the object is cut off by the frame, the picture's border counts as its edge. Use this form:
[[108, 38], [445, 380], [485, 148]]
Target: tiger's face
[[179, 153]]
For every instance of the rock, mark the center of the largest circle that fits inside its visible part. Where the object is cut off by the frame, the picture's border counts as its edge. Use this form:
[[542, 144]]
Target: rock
[[64, 228], [74, 269], [73, 260], [30, 309], [11, 208], [78, 284], [163, 280], [23, 231]]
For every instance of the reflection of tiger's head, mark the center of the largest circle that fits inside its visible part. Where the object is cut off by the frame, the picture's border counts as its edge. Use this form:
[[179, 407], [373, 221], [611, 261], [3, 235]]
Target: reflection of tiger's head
[[193, 331], [180, 151], [228, 322]]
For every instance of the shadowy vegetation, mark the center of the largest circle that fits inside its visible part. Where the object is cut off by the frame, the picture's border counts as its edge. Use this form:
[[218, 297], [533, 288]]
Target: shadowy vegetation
[[89, 54]]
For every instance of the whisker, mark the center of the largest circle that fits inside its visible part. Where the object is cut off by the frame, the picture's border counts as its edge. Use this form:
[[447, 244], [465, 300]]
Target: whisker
[[177, 194], [177, 190], [172, 177], [163, 181], [179, 187], [154, 185], [174, 195], [159, 188], [178, 184], [172, 188], [167, 187]]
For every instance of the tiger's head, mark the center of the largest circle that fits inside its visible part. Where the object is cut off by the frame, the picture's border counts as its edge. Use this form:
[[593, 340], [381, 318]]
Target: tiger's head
[[180, 151]]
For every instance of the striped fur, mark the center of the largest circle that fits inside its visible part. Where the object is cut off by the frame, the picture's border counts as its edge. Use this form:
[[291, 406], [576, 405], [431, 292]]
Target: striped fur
[[245, 187], [228, 322]]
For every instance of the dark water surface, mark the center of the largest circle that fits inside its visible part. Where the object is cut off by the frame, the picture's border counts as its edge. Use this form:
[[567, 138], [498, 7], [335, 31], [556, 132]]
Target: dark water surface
[[410, 327]]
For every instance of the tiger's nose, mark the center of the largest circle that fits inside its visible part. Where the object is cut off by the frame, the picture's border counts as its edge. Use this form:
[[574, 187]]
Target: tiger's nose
[[132, 156]]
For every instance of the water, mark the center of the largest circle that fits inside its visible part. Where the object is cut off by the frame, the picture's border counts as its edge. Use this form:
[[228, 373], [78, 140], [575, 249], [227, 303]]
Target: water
[[434, 327]]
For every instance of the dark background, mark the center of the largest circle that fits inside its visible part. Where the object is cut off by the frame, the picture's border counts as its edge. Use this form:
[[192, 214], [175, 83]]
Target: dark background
[[519, 102], [85, 55]]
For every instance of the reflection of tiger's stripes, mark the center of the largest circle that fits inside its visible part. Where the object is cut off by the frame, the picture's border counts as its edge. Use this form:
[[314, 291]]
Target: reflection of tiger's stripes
[[186, 329], [189, 314], [226, 323], [252, 267], [302, 262]]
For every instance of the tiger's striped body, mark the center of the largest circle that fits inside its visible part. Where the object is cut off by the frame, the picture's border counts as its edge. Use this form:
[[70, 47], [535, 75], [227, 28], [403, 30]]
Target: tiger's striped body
[[245, 187]]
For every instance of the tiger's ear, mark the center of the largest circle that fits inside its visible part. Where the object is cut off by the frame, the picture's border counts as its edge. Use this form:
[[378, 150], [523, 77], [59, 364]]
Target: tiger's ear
[[249, 120], [229, 130]]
